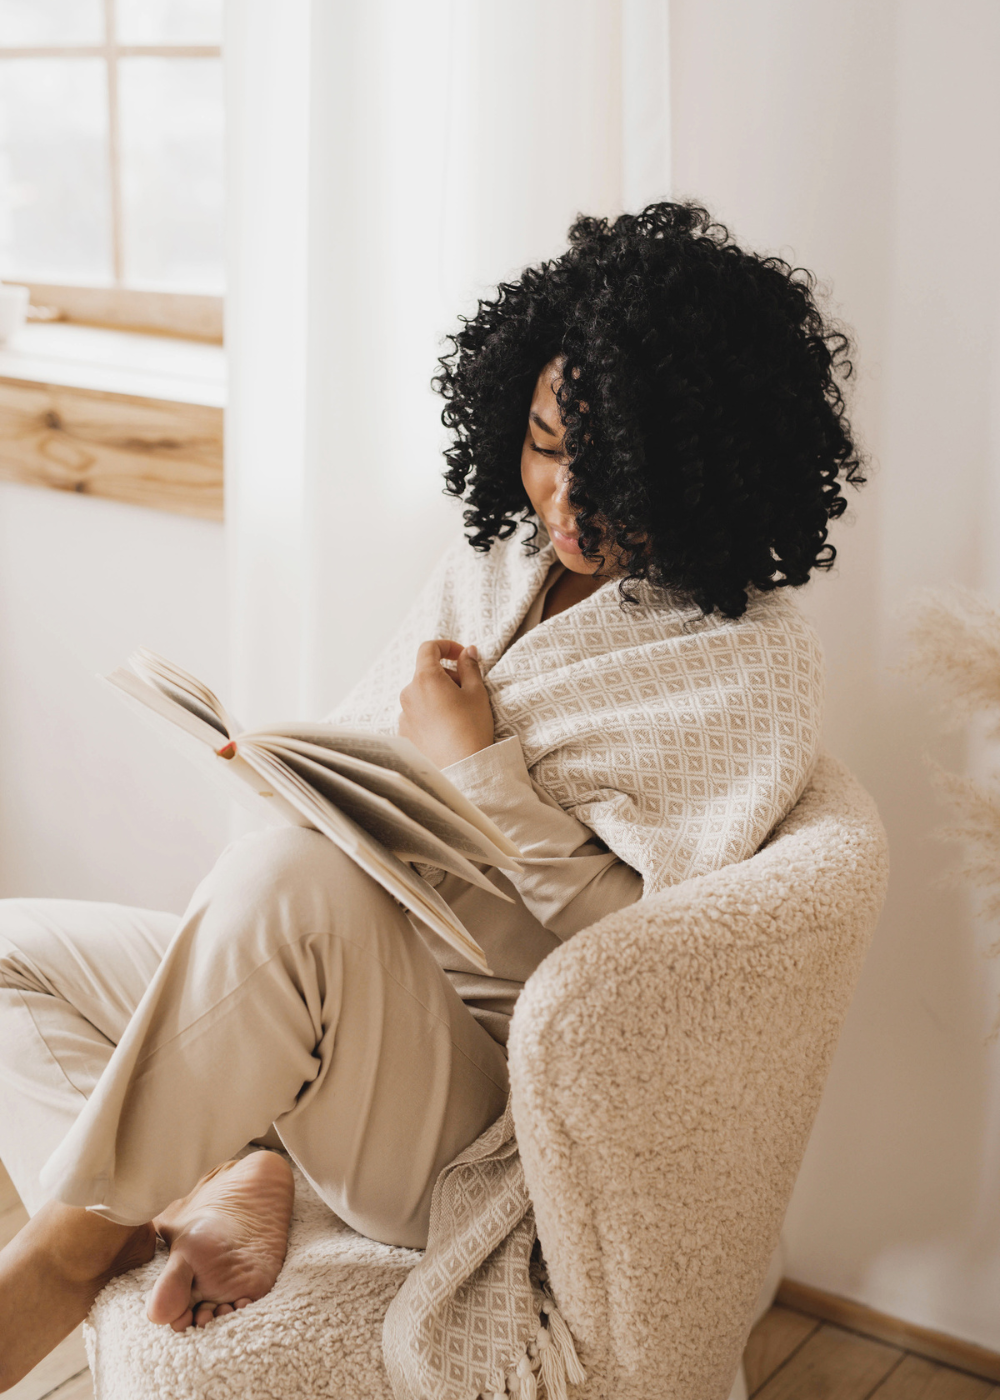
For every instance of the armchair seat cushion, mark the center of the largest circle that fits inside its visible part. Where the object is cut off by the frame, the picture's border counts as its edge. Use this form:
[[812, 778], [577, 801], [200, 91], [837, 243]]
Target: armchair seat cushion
[[317, 1334]]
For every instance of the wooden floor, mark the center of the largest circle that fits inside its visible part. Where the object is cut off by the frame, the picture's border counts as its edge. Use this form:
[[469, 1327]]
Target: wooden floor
[[789, 1357], [793, 1357]]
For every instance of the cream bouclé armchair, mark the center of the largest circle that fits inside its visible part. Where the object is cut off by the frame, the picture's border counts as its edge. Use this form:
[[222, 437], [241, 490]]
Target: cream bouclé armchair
[[666, 1068]]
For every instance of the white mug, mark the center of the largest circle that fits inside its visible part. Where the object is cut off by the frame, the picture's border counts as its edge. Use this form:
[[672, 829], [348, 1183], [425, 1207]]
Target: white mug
[[13, 309]]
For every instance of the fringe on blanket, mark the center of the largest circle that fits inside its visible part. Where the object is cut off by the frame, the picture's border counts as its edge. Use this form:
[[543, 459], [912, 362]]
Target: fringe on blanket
[[546, 1366]]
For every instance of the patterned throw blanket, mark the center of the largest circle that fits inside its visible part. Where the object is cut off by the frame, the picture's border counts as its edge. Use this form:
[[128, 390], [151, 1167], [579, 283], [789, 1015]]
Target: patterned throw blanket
[[475, 1316], [681, 741]]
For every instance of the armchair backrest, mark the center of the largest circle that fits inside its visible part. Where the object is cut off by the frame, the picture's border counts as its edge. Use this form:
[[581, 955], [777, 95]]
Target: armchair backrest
[[666, 1067]]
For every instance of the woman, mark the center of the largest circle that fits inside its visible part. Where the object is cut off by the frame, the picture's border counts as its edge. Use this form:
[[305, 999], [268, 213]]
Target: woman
[[627, 690]]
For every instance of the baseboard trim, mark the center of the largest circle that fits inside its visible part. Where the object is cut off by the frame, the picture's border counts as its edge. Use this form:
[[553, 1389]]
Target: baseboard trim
[[922, 1341]]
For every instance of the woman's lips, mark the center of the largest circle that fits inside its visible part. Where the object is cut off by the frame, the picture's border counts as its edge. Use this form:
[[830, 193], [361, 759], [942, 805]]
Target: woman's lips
[[569, 544]]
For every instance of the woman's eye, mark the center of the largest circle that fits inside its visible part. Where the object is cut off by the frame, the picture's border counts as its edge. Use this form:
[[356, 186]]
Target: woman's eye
[[544, 451]]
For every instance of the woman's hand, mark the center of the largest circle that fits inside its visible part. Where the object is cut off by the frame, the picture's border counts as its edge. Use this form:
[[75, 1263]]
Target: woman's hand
[[447, 714]]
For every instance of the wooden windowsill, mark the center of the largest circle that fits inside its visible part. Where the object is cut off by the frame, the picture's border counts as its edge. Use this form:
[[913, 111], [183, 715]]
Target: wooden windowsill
[[129, 309], [113, 413]]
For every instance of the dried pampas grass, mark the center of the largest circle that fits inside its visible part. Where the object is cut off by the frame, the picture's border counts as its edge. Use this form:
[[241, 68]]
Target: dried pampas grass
[[954, 640], [976, 812]]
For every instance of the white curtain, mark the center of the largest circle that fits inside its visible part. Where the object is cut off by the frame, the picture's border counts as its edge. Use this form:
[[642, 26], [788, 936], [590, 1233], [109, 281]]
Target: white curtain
[[388, 163]]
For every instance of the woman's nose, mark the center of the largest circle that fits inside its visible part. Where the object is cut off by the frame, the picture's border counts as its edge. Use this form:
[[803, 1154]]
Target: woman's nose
[[561, 492]]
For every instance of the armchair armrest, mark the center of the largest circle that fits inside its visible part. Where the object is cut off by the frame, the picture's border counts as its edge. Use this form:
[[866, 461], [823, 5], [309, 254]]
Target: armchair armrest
[[666, 1067]]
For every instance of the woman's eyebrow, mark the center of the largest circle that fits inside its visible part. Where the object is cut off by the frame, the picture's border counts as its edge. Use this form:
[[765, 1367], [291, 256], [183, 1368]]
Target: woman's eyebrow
[[541, 423]]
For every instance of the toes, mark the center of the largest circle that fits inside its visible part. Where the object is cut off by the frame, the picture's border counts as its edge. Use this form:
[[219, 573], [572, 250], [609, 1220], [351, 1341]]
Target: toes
[[170, 1297], [203, 1314], [242, 1302]]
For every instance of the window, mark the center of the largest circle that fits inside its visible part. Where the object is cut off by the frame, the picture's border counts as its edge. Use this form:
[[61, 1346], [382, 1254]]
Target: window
[[111, 158]]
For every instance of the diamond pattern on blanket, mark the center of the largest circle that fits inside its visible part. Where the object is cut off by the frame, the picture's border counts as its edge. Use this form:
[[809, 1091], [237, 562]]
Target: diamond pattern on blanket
[[680, 740], [468, 1310]]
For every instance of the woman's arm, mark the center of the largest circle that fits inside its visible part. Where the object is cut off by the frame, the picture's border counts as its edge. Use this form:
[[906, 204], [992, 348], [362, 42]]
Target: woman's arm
[[568, 878]]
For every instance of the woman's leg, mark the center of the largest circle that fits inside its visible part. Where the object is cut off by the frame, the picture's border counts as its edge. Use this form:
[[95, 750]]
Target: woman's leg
[[71, 975], [296, 992]]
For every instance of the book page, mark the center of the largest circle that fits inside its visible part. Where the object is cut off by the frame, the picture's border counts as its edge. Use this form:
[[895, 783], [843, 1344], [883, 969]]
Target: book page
[[382, 819], [185, 716], [185, 688], [198, 742], [399, 755], [419, 805]]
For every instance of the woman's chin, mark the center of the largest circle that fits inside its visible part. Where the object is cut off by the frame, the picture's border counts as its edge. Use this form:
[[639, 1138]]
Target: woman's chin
[[574, 562]]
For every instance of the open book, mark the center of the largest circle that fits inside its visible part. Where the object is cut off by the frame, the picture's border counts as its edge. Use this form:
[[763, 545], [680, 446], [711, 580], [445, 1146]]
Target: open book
[[375, 796]]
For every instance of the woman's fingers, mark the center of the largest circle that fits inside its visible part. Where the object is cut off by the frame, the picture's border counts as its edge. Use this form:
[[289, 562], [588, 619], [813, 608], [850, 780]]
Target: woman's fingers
[[430, 654], [468, 668]]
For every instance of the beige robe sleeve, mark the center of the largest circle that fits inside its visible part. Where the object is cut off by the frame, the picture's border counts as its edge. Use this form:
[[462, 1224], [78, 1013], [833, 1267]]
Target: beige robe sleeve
[[568, 879]]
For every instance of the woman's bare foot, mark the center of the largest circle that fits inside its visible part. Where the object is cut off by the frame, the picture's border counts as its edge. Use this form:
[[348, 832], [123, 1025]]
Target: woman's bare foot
[[50, 1274], [227, 1241]]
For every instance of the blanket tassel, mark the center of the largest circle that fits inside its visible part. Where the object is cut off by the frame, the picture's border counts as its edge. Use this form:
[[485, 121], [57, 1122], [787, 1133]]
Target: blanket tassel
[[552, 1355], [528, 1387], [521, 1382], [551, 1366], [562, 1342]]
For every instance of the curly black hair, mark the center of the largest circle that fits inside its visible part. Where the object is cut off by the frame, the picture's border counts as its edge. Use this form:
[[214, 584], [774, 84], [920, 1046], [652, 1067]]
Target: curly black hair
[[706, 429]]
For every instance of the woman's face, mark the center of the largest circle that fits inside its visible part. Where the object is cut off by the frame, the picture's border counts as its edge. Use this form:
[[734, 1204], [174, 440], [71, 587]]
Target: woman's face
[[545, 470]]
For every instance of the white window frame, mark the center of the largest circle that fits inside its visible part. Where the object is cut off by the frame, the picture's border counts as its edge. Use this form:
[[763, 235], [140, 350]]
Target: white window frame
[[117, 304]]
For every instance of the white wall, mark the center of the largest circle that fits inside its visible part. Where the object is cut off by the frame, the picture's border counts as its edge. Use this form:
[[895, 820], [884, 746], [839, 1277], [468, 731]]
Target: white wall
[[862, 140], [93, 804]]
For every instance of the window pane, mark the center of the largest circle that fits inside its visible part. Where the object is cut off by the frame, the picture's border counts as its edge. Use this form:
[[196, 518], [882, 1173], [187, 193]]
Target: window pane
[[54, 202], [27, 22], [172, 190], [170, 21]]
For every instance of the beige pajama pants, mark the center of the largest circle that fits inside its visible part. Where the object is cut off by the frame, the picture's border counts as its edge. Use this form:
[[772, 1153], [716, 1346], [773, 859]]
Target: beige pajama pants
[[138, 1050]]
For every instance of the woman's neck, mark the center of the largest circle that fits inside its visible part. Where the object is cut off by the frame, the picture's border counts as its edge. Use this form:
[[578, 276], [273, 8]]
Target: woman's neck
[[569, 589]]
